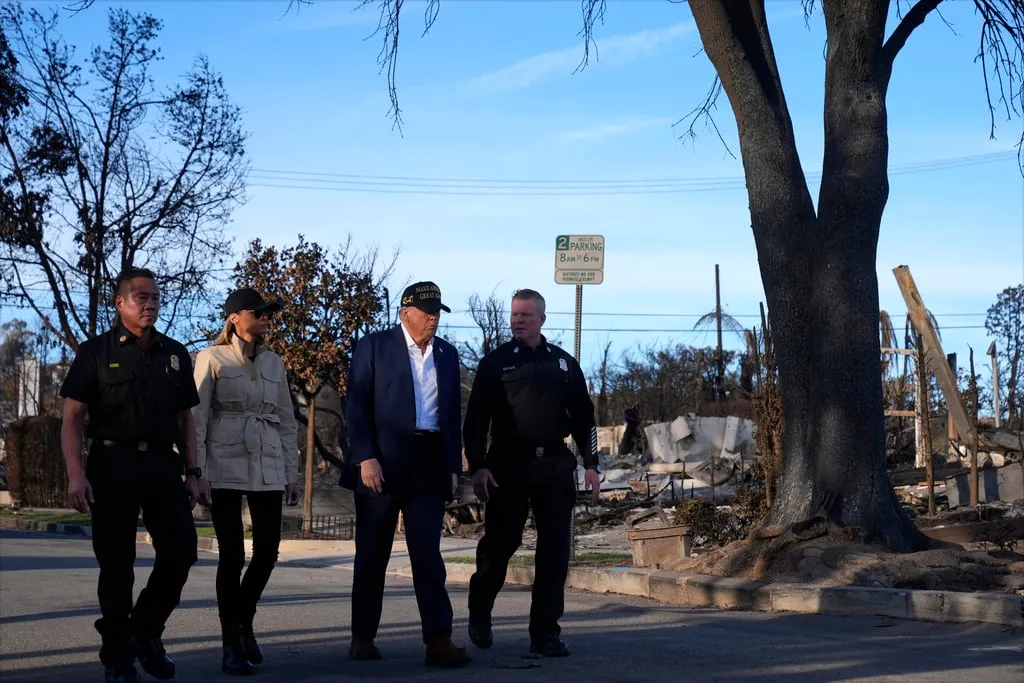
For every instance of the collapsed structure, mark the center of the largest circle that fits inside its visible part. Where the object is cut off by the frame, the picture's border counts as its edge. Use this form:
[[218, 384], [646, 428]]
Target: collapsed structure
[[688, 457]]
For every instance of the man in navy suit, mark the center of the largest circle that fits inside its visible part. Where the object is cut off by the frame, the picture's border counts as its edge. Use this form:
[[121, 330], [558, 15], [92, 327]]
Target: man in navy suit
[[404, 414]]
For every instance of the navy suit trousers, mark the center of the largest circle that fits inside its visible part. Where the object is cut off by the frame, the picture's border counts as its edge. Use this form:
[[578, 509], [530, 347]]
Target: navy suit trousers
[[421, 500]]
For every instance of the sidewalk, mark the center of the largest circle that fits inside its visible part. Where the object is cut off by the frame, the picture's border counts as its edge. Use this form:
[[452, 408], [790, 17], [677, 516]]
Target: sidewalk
[[671, 588]]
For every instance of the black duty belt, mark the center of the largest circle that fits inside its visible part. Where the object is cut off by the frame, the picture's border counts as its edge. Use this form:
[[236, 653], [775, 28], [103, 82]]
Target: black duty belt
[[549, 450], [134, 445], [426, 434]]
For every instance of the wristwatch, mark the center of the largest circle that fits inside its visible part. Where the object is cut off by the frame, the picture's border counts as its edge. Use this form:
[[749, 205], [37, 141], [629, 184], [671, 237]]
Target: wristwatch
[[194, 472]]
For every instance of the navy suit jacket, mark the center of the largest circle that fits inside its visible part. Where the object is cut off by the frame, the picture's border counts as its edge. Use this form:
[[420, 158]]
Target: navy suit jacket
[[381, 406]]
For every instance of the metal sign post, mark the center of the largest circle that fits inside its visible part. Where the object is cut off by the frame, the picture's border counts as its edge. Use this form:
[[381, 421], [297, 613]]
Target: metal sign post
[[578, 324], [579, 260]]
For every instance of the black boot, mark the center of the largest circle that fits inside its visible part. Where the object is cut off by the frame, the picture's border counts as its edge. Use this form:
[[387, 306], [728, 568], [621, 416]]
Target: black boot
[[480, 632], [123, 674], [234, 662], [549, 647], [153, 658], [253, 651]]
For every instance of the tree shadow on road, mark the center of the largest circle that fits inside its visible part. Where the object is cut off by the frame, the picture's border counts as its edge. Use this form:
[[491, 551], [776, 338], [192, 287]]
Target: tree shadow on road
[[613, 639], [22, 563], [265, 602]]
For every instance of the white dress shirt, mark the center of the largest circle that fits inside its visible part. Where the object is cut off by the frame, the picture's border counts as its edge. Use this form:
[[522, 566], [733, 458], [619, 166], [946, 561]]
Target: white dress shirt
[[424, 383]]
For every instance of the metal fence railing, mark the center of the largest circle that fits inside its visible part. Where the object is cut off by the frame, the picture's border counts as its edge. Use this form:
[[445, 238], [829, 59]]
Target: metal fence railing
[[324, 527]]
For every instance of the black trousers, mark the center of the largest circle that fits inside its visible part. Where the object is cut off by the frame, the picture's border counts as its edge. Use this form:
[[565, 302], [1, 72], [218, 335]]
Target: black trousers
[[123, 482], [237, 596], [419, 494], [548, 486]]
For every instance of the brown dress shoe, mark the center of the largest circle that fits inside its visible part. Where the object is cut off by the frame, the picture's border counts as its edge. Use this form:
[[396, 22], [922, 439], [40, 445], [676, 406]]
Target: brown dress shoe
[[442, 652], [363, 650]]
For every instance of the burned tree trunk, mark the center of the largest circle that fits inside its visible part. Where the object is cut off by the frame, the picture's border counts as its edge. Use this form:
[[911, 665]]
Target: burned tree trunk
[[818, 269]]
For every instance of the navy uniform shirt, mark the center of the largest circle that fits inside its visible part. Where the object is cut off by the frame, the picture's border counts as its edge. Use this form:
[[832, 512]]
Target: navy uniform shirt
[[527, 398], [133, 394]]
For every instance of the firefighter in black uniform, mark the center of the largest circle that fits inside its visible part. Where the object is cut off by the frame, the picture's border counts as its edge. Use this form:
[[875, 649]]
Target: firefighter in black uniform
[[529, 395], [135, 386]]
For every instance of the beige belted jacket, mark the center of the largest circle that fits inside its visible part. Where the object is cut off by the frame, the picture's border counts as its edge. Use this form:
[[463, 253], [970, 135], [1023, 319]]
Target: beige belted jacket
[[245, 426]]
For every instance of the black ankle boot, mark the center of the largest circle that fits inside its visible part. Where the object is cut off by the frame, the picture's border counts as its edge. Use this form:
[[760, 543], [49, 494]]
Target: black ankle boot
[[253, 651], [234, 662]]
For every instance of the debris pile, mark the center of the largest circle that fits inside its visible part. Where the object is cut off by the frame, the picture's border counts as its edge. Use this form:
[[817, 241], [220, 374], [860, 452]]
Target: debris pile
[[685, 458], [819, 553]]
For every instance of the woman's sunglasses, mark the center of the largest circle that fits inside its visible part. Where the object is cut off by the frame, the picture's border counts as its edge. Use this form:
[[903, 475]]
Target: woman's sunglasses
[[259, 315]]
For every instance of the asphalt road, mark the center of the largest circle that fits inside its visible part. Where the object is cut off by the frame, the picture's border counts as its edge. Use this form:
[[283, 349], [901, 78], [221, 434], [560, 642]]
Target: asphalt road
[[48, 604]]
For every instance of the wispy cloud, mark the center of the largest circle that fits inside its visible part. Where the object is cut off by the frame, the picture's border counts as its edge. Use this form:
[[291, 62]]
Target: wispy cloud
[[609, 129], [615, 50], [327, 16]]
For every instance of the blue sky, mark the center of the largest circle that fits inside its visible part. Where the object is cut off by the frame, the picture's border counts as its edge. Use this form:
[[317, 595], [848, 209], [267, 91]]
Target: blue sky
[[490, 93]]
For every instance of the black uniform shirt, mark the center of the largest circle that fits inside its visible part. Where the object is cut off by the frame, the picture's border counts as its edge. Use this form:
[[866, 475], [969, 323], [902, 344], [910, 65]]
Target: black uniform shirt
[[527, 398], [133, 394]]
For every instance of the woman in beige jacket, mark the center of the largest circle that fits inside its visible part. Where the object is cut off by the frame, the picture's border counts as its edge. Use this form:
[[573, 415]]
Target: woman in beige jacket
[[246, 442]]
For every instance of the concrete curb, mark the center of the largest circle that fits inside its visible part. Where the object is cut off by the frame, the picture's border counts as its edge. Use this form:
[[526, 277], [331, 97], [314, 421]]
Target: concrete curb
[[61, 528], [699, 590], [205, 543]]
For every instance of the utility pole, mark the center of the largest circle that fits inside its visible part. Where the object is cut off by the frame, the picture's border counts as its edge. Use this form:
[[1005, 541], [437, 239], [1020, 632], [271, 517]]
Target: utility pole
[[720, 361]]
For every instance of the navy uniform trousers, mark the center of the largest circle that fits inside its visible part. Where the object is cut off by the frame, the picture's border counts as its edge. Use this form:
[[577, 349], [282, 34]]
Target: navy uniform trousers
[[546, 485], [123, 482]]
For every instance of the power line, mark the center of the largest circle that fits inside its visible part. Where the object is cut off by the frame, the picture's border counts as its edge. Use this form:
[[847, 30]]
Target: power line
[[609, 314], [614, 314], [389, 184], [703, 315], [673, 330], [926, 165], [466, 193]]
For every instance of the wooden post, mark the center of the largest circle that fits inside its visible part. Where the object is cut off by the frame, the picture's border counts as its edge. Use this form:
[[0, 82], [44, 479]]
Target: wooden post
[[307, 503], [950, 424], [933, 350], [921, 428], [923, 415], [916, 390], [995, 383], [974, 434]]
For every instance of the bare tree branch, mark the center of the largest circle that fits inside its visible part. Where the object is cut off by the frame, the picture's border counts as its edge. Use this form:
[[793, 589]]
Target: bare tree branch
[[910, 21], [387, 58], [128, 175], [946, 22], [77, 6], [430, 15], [704, 112], [810, 7], [491, 316], [1001, 53], [593, 14], [297, 4]]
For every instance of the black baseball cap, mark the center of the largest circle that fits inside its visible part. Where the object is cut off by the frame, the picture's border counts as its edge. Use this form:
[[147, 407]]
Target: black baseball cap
[[425, 296], [248, 299]]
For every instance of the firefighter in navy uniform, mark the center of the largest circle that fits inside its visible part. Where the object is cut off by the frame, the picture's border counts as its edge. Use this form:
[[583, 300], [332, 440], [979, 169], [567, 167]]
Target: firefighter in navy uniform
[[135, 386], [528, 395]]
